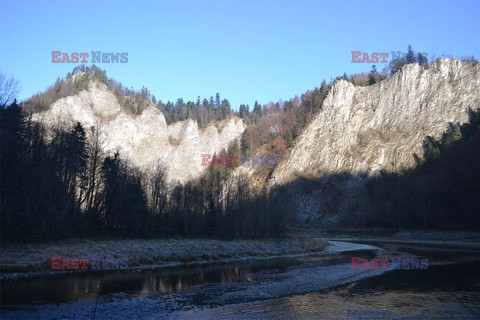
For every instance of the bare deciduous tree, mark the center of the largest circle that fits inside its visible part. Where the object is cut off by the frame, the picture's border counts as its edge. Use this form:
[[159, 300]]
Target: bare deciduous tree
[[8, 89]]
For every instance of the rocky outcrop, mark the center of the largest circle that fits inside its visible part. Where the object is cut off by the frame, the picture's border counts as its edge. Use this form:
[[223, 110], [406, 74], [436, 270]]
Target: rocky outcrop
[[144, 139], [362, 130]]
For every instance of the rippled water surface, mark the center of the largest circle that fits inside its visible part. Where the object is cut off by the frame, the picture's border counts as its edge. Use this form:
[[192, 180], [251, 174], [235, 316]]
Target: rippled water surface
[[317, 287]]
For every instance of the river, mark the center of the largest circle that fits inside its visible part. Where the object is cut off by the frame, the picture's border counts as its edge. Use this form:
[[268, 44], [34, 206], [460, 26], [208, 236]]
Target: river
[[320, 286]]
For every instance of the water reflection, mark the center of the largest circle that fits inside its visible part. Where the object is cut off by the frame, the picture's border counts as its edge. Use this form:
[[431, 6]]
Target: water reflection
[[441, 292], [77, 286], [448, 288]]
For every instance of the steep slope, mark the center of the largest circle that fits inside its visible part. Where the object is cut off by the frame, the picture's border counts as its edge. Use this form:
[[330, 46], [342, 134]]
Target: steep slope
[[145, 139], [362, 130]]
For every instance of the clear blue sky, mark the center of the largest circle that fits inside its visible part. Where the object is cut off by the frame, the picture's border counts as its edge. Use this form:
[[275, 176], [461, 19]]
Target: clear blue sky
[[245, 50]]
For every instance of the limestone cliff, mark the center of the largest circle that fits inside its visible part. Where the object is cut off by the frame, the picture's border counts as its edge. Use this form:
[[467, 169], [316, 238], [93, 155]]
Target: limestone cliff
[[144, 139], [362, 130]]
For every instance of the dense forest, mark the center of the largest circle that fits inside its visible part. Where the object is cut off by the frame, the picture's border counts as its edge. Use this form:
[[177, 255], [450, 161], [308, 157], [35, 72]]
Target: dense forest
[[58, 183], [441, 192]]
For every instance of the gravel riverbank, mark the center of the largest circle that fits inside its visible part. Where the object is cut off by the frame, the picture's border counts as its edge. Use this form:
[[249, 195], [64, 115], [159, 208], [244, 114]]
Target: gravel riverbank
[[21, 258]]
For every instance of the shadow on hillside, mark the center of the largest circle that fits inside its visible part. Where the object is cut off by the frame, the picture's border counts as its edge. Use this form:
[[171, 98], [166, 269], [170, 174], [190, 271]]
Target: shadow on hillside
[[441, 192], [58, 184]]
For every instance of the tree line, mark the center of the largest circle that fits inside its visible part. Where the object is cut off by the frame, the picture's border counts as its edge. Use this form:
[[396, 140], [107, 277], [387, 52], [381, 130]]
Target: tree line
[[58, 183], [441, 192], [131, 100]]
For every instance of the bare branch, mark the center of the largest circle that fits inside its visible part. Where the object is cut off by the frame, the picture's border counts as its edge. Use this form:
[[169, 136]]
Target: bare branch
[[8, 89]]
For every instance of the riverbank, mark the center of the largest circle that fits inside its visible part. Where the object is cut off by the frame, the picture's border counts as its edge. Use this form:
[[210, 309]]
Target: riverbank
[[310, 284], [148, 293], [27, 258], [388, 234]]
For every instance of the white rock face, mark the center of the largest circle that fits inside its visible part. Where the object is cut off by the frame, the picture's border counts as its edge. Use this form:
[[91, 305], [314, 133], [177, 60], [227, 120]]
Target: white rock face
[[362, 130], [145, 139]]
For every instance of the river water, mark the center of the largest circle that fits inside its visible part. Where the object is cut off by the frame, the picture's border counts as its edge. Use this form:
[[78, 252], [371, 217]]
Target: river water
[[321, 286]]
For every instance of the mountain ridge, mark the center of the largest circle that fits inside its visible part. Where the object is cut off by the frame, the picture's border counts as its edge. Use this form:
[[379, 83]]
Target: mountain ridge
[[362, 131], [144, 139]]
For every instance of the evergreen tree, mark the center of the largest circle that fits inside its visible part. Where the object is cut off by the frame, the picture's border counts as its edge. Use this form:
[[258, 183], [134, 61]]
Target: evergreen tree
[[77, 163], [288, 105], [257, 108], [217, 100], [288, 137], [225, 109], [421, 59], [373, 75], [324, 88], [211, 102], [160, 106], [410, 57], [198, 104], [242, 112], [395, 65], [112, 182]]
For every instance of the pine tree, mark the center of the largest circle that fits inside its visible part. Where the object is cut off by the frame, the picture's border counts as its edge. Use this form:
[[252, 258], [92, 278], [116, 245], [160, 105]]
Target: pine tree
[[324, 88], [288, 137], [395, 65], [421, 59], [217, 100], [242, 112], [410, 57], [373, 75], [197, 105], [257, 108]]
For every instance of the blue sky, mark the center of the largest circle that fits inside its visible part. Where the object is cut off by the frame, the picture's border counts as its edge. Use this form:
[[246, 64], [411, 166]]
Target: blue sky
[[245, 50]]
